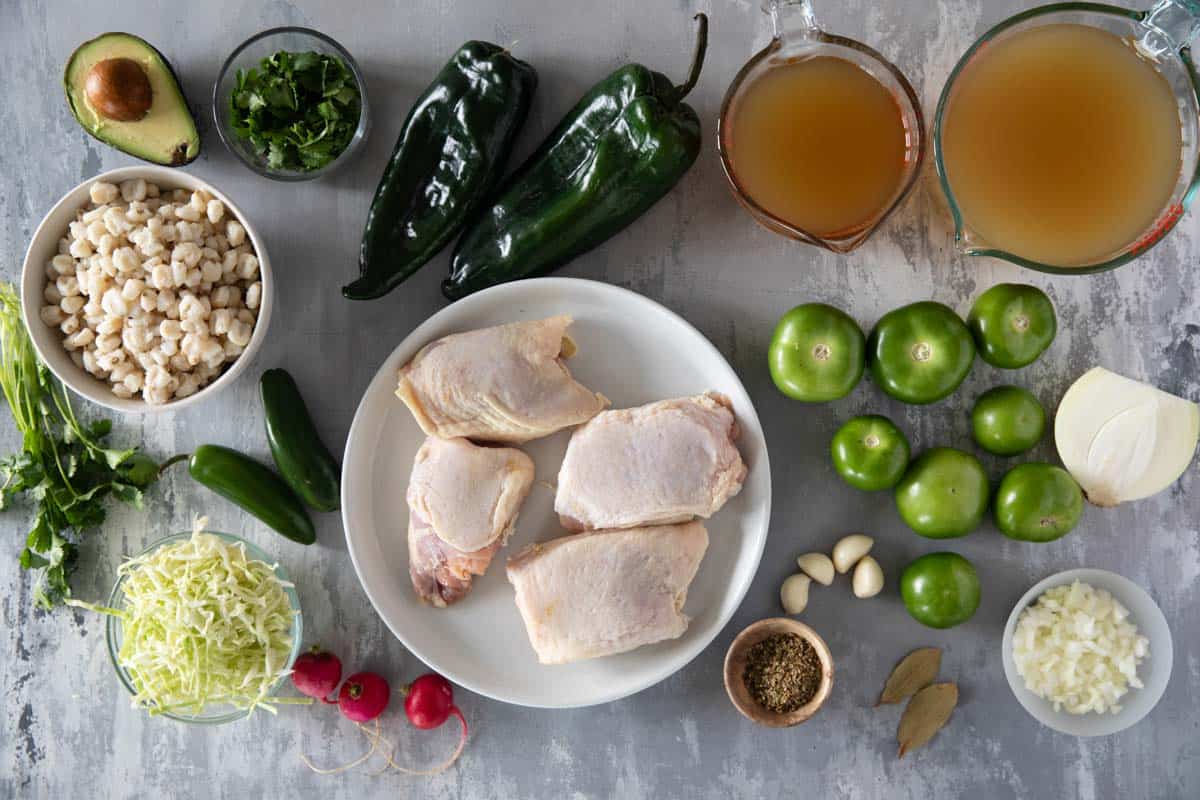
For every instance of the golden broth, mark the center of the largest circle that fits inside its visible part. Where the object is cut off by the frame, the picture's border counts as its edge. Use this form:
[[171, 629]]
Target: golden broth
[[1061, 144], [818, 143]]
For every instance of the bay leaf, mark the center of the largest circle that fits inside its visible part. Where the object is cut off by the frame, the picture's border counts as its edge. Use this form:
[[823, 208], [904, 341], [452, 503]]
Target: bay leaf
[[925, 715], [915, 671]]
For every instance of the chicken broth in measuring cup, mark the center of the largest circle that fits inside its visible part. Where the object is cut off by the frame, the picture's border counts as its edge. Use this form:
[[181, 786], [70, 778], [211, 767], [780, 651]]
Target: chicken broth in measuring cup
[[819, 143], [1061, 144]]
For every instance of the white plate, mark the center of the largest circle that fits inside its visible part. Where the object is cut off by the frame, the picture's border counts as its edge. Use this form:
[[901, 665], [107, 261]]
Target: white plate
[[1154, 671], [632, 350]]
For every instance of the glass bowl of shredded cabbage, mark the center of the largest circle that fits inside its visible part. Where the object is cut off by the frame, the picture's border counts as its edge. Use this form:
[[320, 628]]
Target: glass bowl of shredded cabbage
[[203, 627]]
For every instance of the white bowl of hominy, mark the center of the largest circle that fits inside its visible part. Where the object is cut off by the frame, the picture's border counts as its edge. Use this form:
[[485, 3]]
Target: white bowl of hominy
[[146, 289]]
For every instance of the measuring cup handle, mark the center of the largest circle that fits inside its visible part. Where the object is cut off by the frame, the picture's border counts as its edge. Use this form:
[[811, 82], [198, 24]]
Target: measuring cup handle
[[792, 20], [1169, 26]]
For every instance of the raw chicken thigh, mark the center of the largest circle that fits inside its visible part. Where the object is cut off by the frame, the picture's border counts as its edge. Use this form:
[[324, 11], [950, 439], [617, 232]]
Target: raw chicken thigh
[[664, 462], [463, 502], [605, 592], [501, 384]]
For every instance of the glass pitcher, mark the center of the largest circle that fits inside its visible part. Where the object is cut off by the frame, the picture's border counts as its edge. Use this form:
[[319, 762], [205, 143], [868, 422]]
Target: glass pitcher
[[797, 36], [1162, 35]]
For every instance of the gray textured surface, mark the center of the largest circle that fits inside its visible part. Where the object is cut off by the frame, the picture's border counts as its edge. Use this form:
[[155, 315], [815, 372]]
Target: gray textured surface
[[66, 728]]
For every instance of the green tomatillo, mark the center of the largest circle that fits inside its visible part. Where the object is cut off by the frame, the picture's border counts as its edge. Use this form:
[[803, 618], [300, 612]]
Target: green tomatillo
[[1037, 503], [816, 353], [1007, 420], [943, 494], [920, 353], [1013, 324], [870, 453], [940, 590]]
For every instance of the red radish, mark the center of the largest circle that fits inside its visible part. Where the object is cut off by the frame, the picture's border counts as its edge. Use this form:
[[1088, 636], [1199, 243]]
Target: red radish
[[364, 696], [316, 674], [429, 701]]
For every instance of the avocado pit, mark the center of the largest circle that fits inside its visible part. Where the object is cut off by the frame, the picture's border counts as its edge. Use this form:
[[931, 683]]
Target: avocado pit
[[119, 89]]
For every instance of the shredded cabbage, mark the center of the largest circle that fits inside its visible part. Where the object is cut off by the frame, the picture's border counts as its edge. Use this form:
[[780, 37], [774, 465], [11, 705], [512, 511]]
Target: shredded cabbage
[[202, 624], [1077, 648]]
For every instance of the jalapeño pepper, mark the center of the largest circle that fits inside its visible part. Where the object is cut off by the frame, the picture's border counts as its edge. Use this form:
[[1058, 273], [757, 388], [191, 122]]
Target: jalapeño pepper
[[247, 483], [448, 157], [303, 460], [615, 154]]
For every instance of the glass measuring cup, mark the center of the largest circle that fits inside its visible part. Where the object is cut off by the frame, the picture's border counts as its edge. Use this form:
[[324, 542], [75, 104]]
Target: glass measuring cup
[[1161, 34], [797, 37]]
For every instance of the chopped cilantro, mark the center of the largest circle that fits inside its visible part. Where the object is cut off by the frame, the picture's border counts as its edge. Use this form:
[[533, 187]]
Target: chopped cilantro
[[298, 111]]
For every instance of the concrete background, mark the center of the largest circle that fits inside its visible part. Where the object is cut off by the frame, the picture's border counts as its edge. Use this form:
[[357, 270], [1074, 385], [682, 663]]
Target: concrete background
[[66, 728]]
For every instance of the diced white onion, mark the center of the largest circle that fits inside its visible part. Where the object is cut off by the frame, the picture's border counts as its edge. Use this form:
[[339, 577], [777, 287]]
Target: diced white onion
[[1076, 647]]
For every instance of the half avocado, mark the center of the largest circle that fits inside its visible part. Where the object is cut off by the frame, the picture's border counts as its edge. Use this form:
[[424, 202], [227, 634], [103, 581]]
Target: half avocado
[[124, 92]]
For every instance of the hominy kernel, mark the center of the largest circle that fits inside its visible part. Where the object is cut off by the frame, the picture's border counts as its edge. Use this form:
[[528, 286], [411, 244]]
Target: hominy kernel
[[215, 210], [102, 192], [253, 295], [81, 248]]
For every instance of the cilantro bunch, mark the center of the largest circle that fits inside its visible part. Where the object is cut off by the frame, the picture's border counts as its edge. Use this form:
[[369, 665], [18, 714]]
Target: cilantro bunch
[[64, 466], [298, 111]]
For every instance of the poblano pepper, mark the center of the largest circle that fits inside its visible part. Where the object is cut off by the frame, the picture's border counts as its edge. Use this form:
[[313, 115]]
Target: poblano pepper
[[449, 156], [615, 154]]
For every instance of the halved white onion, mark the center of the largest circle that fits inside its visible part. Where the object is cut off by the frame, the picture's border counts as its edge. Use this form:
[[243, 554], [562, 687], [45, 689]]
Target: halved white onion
[[1123, 439]]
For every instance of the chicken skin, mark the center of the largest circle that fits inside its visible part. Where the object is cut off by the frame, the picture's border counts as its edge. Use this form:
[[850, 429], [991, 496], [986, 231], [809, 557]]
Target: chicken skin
[[664, 462], [463, 502], [508, 383], [604, 592]]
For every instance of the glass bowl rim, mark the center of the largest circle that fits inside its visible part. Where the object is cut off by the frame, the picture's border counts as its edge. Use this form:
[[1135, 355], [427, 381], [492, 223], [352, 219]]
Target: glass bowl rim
[[112, 623], [360, 132]]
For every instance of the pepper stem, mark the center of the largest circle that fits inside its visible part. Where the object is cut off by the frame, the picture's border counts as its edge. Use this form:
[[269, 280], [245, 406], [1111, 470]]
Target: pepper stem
[[172, 461], [682, 90]]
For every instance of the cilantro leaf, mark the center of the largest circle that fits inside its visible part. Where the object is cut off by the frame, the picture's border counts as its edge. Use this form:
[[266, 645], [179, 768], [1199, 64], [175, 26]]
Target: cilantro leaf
[[297, 111], [65, 467]]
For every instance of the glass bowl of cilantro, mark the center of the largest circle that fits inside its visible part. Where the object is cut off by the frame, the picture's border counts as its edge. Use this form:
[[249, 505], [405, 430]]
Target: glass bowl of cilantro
[[291, 104]]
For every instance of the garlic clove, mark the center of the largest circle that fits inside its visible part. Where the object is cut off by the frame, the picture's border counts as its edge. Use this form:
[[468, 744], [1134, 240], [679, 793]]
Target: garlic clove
[[1122, 439], [817, 566], [868, 578], [793, 594], [849, 550]]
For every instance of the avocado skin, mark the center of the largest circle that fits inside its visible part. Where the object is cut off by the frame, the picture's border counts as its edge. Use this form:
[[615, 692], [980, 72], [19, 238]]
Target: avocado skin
[[187, 146]]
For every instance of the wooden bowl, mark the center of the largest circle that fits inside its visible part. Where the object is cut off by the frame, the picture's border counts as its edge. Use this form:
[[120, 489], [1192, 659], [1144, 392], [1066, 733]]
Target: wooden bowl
[[735, 668]]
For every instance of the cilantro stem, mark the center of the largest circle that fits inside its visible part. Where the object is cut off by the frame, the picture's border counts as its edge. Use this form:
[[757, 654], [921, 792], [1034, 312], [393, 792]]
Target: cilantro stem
[[64, 467]]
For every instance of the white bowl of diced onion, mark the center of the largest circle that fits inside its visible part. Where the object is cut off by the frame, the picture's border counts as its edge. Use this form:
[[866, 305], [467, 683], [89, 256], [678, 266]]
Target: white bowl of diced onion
[[210, 370], [1153, 671]]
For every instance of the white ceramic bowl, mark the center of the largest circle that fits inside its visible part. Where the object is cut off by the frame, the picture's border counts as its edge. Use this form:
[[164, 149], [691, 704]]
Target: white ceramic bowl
[[48, 341], [1154, 671]]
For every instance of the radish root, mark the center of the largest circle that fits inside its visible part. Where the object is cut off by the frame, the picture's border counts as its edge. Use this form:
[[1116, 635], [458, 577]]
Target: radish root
[[445, 765], [376, 738], [372, 736]]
